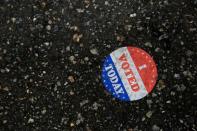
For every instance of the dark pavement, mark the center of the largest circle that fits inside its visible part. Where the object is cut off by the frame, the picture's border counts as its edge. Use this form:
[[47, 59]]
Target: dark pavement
[[51, 54]]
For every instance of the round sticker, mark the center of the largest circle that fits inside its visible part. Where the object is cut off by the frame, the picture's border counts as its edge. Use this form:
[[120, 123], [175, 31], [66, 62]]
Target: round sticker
[[129, 73]]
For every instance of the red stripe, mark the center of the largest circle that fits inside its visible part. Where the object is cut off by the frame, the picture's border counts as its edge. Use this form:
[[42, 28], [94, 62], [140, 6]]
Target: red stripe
[[148, 74]]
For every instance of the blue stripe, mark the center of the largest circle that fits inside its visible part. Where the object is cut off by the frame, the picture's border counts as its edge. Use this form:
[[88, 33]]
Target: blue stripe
[[106, 80]]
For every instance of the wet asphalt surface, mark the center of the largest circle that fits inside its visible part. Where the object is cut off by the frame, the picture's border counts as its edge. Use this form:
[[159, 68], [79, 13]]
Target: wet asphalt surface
[[51, 54]]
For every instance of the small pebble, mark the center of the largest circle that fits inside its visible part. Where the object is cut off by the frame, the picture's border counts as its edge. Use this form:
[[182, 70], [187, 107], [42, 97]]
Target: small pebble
[[31, 120], [48, 27], [94, 51], [133, 15], [72, 124], [71, 79], [13, 19], [155, 128], [77, 37], [149, 114]]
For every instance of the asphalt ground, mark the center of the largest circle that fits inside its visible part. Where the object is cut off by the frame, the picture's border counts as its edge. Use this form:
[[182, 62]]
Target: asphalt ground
[[51, 55]]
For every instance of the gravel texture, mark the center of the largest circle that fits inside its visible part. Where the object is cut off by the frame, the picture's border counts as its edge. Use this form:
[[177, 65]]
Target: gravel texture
[[51, 54]]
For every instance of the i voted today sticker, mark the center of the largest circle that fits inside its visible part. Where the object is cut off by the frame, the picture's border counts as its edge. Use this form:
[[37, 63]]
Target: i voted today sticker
[[129, 73]]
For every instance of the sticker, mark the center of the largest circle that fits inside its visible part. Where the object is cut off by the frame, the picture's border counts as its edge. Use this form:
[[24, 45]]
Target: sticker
[[129, 73]]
